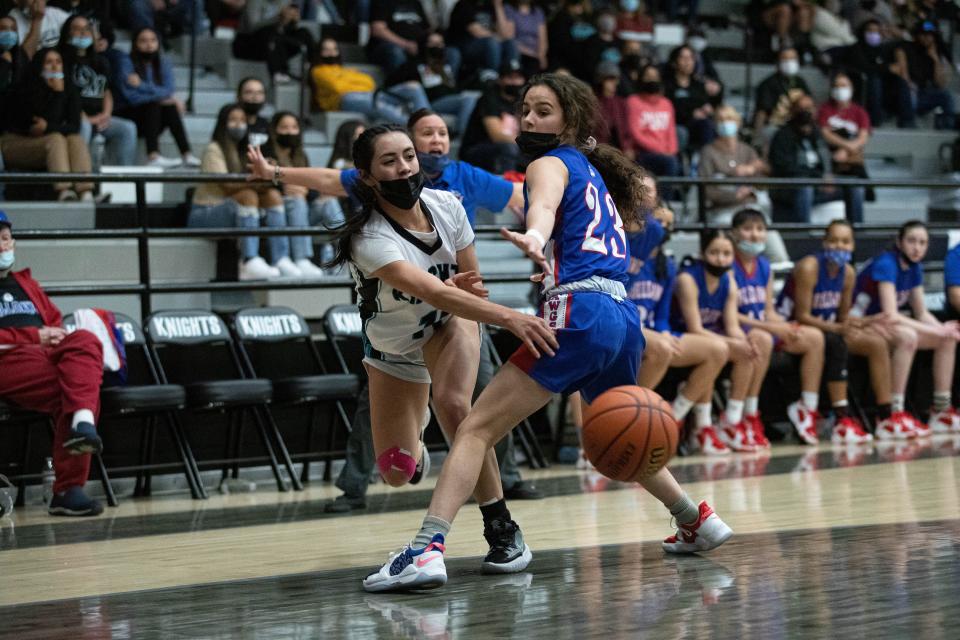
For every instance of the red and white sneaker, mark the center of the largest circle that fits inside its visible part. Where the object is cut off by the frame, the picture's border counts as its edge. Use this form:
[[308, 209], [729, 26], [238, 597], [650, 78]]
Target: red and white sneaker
[[709, 443], [708, 532], [849, 431], [946, 421], [898, 426], [736, 436], [755, 428], [804, 421]]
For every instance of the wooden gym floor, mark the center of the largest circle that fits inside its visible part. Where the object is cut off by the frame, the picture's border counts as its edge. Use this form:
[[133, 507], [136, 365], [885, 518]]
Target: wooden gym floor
[[829, 543]]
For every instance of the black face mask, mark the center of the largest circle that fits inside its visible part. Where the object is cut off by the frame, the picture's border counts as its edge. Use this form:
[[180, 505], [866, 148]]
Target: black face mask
[[802, 119], [330, 59], [402, 193], [715, 270], [512, 91], [436, 53], [534, 145], [288, 140], [251, 108], [650, 86]]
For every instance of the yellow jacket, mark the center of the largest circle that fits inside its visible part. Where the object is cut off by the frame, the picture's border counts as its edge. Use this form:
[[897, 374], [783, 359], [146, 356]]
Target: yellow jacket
[[331, 81]]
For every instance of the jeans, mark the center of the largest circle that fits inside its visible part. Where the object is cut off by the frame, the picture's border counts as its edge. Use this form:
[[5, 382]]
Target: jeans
[[298, 215], [276, 217], [174, 19], [120, 141], [795, 205], [458, 104], [391, 57], [929, 98], [395, 106], [275, 48], [152, 118], [660, 164], [326, 212], [486, 54], [495, 157], [229, 214]]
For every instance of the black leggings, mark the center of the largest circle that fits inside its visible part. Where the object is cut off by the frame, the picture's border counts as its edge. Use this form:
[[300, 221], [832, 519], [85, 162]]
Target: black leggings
[[152, 119], [835, 361], [275, 47]]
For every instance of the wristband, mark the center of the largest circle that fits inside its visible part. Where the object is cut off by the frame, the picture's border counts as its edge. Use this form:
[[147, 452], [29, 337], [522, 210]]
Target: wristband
[[536, 235], [276, 175]]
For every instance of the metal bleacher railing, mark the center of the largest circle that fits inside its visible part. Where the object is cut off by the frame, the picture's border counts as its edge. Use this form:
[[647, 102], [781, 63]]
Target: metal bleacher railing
[[144, 286]]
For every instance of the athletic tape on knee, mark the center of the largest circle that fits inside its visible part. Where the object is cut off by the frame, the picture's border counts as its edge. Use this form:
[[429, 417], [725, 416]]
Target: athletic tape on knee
[[835, 358], [397, 459]]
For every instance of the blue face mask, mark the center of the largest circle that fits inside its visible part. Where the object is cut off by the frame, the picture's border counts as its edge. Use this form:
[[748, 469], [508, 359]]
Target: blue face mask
[[8, 40], [727, 128], [81, 42], [838, 257], [6, 260], [752, 249], [432, 164], [52, 75]]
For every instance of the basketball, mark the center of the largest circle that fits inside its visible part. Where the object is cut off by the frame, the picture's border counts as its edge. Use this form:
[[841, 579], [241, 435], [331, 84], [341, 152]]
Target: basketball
[[629, 433]]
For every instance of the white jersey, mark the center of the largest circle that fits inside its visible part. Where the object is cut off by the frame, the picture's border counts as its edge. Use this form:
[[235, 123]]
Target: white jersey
[[393, 321]]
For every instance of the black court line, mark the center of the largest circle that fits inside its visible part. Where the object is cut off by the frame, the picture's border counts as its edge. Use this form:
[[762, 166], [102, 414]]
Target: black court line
[[737, 466], [844, 582]]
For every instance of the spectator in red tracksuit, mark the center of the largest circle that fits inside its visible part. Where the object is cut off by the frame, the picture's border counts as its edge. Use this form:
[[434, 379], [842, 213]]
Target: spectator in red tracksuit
[[42, 368]]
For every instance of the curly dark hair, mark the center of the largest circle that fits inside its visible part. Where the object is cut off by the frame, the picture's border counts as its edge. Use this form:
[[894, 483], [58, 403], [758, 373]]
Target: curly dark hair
[[581, 114]]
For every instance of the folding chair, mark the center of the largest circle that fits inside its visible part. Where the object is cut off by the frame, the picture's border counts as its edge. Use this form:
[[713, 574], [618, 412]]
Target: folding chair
[[275, 342], [195, 349], [144, 397]]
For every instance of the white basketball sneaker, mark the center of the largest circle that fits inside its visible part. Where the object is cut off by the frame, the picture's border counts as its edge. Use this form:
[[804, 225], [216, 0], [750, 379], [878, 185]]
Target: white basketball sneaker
[[411, 569], [708, 532]]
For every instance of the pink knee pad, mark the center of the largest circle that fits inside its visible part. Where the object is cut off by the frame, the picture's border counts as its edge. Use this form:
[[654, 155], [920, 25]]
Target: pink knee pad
[[397, 459]]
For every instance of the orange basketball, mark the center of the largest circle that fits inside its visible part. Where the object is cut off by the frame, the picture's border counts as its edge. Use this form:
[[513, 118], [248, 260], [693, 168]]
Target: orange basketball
[[629, 433]]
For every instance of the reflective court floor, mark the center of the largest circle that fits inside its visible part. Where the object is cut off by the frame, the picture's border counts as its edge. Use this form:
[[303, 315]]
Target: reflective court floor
[[829, 543]]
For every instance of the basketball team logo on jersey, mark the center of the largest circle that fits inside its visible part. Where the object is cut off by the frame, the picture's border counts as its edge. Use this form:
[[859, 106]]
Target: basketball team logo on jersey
[[752, 288], [556, 310]]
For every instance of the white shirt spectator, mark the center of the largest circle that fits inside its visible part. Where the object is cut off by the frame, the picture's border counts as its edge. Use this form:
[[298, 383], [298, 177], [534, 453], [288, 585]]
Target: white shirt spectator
[[53, 20]]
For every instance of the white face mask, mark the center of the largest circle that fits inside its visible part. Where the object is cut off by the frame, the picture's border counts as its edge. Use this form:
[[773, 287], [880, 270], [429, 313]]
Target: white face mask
[[6, 260], [841, 94], [789, 67], [697, 43]]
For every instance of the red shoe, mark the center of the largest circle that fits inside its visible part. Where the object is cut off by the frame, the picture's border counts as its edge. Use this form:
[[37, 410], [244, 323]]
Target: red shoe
[[736, 436], [849, 431], [804, 421], [899, 426], [708, 532], [709, 443], [757, 436], [946, 421]]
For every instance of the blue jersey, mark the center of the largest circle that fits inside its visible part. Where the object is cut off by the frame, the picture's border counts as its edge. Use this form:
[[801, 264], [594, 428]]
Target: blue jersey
[[951, 268], [473, 186], [652, 295], [710, 304], [752, 287], [642, 243], [826, 293], [588, 237], [884, 268]]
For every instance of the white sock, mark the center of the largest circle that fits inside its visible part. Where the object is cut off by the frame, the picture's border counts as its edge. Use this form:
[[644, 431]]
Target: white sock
[[751, 406], [734, 412], [810, 399], [941, 400], [702, 412], [83, 415], [681, 407], [897, 402]]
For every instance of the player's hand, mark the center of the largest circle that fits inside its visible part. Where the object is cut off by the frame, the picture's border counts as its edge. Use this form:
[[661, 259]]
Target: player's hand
[[469, 281], [741, 349], [51, 336], [133, 80], [673, 341], [951, 329], [259, 167], [530, 247], [534, 332]]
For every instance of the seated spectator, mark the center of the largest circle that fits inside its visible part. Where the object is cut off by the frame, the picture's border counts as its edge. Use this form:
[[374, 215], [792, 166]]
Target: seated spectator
[[729, 157], [96, 11], [703, 68], [567, 30], [271, 31], [530, 33], [13, 59], [396, 26], [340, 88], [613, 109], [43, 368], [877, 11], [634, 56], [795, 153], [38, 26], [145, 94], [652, 126], [252, 96], [286, 148], [89, 73], [328, 210], [481, 32], [776, 94], [632, 22], [432, 74], [787, 21], [829, 30], [603, 46], [924, 65], [489, 140], [871, 60], [240, 204], [43, 130], [690, 100], [167, 18], [845, 127]]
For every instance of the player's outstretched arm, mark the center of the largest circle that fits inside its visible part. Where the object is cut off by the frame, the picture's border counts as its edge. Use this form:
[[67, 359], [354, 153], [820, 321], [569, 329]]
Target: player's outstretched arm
[[546, 180], [325, 181], [533, 331]]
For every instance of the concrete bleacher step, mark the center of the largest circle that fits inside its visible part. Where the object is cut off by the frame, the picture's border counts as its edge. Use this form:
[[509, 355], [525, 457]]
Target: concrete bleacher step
[[330, 121], [202, 79], [51, 215], [920, 147]]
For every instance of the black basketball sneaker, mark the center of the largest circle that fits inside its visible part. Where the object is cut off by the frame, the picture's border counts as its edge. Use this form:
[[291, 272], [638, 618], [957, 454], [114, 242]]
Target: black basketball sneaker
[[508, 552]]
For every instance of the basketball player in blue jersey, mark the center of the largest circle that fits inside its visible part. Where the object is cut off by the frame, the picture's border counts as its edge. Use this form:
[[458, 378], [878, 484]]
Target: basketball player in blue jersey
[[573, 190], [651, 289], [705, 304], [819, 293], [769, 330], [889, 283]]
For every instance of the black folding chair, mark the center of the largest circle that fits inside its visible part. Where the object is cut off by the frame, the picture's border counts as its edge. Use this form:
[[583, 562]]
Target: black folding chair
[[275, 342], [144, 397], [195, 349]]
